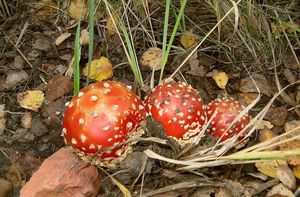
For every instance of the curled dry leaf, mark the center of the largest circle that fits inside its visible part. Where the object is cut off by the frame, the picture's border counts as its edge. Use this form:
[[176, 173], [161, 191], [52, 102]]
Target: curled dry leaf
[[152, 58], [247, 85], [18, 62], [32, 100], [187, 39], [43, 43], [289, 75], [280, 190], [101, 69], [264, 124], [58, 86], [78, 9], [2, 118], [60, 39], [221, 78], [286, 176]]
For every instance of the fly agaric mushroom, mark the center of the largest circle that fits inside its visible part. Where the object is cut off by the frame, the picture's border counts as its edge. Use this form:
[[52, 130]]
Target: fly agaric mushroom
[[226, 109], [101, 116], [179, 108]]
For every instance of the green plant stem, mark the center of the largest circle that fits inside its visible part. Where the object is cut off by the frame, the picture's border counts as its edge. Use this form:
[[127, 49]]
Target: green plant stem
[[91, 37], [166, 54], [77, 60]]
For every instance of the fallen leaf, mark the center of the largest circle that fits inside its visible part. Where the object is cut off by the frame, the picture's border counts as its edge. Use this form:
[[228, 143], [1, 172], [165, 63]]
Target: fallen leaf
[[269, 168], [280, 191], [286, 176], [123, 189], [247, 85], [14, 78], [152, 58], [288, 126], [111, 30], [2, 118], [277, 115], [58, 86], [60, 39], [78, 9], [16, 175], [196, 68], [266, 134], [221, 78], [296, 171], [101, 69], [43, 43], [289, 75], [32, 100], [187, 39], [247, 98]]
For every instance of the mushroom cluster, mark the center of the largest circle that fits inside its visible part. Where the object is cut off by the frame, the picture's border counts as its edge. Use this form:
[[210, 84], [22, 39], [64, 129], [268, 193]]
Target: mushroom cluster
[[179, 108], [227, 110], [99, 121]]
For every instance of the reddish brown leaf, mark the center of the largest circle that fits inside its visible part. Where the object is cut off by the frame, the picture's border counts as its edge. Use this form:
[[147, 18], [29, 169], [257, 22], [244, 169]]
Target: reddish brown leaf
[[58, 86]]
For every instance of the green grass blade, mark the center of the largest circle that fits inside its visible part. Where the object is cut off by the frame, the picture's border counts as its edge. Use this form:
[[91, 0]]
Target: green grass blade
[[91, 37], [167, 51], [77, 61]]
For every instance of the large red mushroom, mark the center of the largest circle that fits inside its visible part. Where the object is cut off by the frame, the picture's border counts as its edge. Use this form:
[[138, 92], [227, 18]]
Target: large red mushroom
[[100, 117], [179, 108], [227, 110]]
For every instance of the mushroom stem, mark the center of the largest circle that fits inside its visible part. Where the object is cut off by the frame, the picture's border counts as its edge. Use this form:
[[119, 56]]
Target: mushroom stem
[[152, 79]]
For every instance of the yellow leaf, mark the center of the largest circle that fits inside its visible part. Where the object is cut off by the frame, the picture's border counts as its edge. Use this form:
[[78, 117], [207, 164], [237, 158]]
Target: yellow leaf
[[77, 9], [32, 100], [101, 69], [221, 78], [111, 30], [187, 40], [269, 168], [296, 171]]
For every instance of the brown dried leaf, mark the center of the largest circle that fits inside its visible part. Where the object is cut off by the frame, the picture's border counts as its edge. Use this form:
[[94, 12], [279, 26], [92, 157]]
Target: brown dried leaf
[[247, 85], [280, 190], [60, 39], [286, 176], [26, 120], [58, 86], [277, 115], [43, 43], [18, 62], [289, 75], [196, 68], [266, 134], [16, 175]]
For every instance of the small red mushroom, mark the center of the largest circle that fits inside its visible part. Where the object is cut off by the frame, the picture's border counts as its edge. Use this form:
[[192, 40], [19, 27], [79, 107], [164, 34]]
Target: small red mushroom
[[103, 115], [227, 110], [179, 108]]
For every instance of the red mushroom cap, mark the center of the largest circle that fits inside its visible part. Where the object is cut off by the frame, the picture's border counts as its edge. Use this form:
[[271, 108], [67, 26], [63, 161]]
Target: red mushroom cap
[[227, 110], [100, 116], [179, 108]]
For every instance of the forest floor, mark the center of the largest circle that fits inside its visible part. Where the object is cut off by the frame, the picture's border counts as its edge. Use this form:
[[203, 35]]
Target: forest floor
[[258, 51]]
